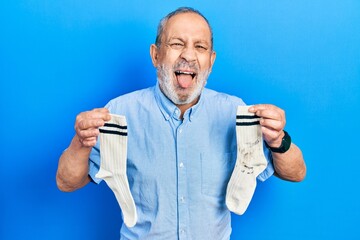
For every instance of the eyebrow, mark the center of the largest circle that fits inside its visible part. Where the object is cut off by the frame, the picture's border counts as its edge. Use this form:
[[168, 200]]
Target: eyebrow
[[176, 38], [202, 42], [195, 42]]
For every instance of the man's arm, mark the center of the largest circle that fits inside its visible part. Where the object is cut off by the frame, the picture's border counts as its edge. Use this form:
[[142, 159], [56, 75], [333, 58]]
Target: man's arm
[[289, 165], [73, 168]]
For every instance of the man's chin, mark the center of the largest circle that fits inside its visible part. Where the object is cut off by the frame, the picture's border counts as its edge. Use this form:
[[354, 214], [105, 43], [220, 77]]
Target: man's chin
[[183, 100]]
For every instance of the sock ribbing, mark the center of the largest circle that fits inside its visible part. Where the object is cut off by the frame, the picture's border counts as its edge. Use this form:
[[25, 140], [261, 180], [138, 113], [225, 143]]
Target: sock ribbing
[[113, 153], [250, 161]]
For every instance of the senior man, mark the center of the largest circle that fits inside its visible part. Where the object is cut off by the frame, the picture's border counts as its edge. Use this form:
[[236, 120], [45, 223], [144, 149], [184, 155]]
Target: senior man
[[182, 144]]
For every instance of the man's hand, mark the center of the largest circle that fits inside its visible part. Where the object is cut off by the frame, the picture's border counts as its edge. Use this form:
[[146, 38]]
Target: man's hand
[[289, 165], [87, 125], [272, 123], [73, 166]]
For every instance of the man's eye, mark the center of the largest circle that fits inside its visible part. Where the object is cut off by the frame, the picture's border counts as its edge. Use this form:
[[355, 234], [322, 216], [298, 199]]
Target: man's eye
[[176, 45], [201, 47]]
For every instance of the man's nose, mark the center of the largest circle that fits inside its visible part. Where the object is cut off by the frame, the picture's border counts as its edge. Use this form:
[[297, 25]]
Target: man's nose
[[188, 54]]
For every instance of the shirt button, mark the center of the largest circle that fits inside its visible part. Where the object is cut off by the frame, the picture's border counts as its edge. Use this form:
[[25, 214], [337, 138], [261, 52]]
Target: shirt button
[[182, 199], [180, 130], [182, 231], [181, 165]]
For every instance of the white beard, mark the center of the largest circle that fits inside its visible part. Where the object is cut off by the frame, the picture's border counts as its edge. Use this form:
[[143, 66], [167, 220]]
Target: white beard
[[174, 92]]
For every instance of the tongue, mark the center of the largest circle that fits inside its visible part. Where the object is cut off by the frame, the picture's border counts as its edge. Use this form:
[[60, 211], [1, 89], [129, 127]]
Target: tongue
[[184, 80]]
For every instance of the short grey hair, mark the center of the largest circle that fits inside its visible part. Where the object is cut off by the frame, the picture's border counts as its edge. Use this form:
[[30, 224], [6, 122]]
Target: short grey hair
[[164, 20]]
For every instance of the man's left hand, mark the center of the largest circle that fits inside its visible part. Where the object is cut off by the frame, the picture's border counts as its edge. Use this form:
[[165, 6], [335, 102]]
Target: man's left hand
[[272, 121]]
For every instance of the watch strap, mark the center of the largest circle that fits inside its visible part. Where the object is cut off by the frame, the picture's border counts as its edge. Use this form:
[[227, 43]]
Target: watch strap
[[285, 144]]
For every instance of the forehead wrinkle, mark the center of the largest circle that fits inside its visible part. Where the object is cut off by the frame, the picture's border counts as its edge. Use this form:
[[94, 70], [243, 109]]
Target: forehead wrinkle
[[175, 27], [176, 38], [202, 42]]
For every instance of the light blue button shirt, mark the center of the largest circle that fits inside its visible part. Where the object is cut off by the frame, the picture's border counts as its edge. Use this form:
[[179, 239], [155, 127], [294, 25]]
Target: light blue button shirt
[[177, 169]]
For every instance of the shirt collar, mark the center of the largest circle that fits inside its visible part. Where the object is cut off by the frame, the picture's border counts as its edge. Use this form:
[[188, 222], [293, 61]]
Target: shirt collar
[[169, 109]]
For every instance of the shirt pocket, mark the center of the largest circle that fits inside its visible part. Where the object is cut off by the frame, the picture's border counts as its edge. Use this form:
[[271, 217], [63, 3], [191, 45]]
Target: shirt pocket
[[215, 172]]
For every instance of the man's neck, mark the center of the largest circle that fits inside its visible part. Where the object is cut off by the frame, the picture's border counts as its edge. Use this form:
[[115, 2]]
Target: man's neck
[[184, 107]]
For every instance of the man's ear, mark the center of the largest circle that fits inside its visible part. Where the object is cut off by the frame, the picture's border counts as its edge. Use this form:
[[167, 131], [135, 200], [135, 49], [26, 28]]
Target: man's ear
[[154, 54], [212, 59]]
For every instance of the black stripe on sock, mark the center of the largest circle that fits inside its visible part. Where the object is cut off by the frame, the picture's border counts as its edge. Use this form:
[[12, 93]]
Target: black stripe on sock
[[246, 116], [115, 125], [247, 123], [112, 132]]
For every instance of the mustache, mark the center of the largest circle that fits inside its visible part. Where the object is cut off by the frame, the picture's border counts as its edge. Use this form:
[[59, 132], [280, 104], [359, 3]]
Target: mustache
[[183, 64]]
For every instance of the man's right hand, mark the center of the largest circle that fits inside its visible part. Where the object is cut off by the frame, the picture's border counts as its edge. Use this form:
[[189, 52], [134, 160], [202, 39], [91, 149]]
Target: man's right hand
[[87, 125]]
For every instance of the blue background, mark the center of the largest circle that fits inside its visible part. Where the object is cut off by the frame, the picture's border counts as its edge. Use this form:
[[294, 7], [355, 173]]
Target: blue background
[[58, 58]]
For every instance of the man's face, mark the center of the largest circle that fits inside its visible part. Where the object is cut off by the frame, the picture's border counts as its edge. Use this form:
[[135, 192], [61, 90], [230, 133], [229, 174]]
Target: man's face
[[184, 58]]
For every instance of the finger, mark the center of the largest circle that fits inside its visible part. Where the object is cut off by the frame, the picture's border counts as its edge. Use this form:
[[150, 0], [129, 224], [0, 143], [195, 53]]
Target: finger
[[89, 133], [95, 113], [270, 114], [88, 142], [257, 107], [268, 111], [275, 125], [104, 110], [89, 124], [270, 135], [263, 110], [98, 113]]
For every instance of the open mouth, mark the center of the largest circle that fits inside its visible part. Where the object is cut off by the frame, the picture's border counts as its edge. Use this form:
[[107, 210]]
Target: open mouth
[[178, 73], [185, 78]]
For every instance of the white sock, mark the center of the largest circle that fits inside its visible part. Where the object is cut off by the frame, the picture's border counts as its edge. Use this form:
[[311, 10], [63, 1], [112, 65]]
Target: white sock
[[113, 153], [250, 161]]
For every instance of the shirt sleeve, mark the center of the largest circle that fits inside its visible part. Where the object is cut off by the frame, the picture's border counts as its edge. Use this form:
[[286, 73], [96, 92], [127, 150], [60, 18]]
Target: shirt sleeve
[[269, 170]]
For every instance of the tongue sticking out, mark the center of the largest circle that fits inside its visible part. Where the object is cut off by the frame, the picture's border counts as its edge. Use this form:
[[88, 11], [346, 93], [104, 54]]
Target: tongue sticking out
[[184, 80]]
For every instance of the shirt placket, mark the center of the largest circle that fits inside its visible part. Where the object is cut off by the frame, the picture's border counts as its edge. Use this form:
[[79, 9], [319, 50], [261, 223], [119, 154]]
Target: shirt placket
[[182, 197]]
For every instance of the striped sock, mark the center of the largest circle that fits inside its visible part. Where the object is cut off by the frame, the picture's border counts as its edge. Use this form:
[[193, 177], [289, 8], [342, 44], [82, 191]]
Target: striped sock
[[250, 161], [113, 152]]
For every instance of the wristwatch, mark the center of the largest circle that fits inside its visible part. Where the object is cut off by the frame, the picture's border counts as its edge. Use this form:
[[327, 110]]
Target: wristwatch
[[285, 144]]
